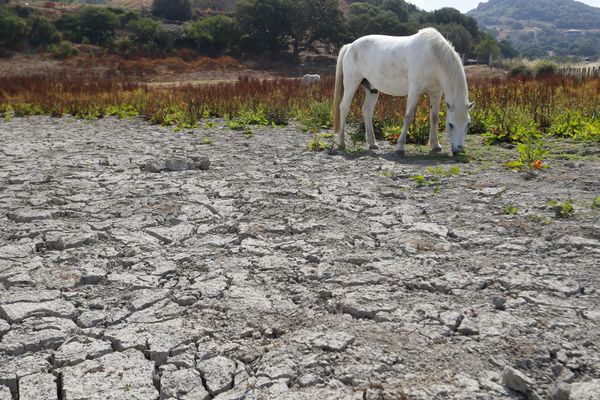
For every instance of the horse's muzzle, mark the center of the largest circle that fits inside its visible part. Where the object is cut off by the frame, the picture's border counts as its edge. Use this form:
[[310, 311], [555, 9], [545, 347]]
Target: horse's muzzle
[[458, 150]]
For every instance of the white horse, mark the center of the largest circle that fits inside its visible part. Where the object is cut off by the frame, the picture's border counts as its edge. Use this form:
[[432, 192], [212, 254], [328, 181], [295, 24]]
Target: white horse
[[401, 66], [310, 79]]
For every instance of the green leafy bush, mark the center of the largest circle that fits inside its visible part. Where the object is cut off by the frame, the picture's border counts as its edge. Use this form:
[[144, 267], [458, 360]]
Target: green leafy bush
[[213, 34], [63, 50], [42, 32], [510, 124], [174, 10], [94, 25], [562, 209], [574, 124], [321, 142], [545, 68], [318, 117], [521, 70], [13, 30]]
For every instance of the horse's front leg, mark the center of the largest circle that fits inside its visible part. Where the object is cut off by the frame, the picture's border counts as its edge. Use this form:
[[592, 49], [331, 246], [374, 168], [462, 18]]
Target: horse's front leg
[[411, 106], [434, 117]]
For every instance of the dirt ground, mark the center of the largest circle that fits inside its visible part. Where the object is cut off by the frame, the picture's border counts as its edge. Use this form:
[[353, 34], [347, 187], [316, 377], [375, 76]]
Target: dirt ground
[[141, 263]]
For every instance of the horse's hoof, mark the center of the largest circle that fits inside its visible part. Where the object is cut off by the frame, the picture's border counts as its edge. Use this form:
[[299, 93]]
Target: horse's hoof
[[373, 147], [436, 149], [400, 153]]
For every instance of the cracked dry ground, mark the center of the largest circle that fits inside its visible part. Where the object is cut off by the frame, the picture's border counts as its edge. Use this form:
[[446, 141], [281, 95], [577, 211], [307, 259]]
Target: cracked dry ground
[[279, 273]]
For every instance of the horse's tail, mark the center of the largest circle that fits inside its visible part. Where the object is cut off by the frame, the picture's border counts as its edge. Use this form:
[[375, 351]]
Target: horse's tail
[[339, 89]]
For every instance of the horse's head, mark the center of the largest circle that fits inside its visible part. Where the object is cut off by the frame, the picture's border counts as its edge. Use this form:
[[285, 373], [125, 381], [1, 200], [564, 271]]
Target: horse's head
[[457, 124]]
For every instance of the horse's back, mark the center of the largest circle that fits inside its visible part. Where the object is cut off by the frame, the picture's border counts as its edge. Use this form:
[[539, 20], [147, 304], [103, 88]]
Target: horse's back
[[391, 63]]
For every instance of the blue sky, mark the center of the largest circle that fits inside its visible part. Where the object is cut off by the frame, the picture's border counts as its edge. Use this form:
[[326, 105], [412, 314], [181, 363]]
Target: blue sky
[[467, 5]]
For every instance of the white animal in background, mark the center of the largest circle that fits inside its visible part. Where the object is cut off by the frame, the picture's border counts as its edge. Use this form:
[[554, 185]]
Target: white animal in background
[[310, 79], [403, 66]]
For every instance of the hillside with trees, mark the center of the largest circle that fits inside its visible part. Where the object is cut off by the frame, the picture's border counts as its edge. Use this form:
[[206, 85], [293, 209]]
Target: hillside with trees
[[543, 27], [243, 28]]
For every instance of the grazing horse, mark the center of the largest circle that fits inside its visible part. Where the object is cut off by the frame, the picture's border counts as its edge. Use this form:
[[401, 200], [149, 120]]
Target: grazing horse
[[403, 66], [310, 79]]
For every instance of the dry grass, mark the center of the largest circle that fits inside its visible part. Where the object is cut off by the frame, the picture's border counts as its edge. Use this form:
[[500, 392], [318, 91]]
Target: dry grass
[[91, 96]]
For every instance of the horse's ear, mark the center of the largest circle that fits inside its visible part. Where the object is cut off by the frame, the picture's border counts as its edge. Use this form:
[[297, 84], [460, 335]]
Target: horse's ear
[[471, 104]]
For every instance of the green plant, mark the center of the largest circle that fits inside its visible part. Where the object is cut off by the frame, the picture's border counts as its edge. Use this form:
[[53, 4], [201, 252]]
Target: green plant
[[63, 50], [318, 117], [563, 209], [437, 170], [596, 204], [12, 31], [521, 70], [257, 116], [538, 219], [7, 112], [391, 133], [574, 124], [510, 124], [26, 109], [321, 141], [510, 209], [234, 124], [175, 10], [545, 68], [422, 181], [454, 170], [42, 32], [388, 173], [206, 141], [531, 154], [121, 111]]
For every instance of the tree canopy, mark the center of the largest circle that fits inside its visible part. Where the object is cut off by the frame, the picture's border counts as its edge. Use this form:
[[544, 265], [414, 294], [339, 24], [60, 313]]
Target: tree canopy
[[175, 10]]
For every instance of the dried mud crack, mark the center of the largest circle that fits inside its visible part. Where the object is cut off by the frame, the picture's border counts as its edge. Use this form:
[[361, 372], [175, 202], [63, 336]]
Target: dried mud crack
[[138, 263]]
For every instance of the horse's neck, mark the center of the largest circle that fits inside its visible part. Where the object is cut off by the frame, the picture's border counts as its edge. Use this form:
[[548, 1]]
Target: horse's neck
[[455, 89]]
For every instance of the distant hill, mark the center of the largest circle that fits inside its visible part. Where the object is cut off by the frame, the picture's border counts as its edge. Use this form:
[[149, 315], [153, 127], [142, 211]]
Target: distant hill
[[541, 27]]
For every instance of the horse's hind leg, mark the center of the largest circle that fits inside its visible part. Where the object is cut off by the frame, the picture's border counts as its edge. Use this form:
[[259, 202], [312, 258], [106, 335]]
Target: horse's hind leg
[[411, 107], [350, 85], [434, 117], [367, 109]]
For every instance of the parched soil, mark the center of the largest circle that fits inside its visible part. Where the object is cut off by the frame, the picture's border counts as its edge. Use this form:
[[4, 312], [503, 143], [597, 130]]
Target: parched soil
[[130, 268]]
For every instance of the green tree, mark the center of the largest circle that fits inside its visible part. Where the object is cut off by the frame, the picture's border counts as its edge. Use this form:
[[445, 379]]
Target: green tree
[[459, 36], [365, 19], [144, 30], [507, 50], [487, 47], [315, 21], [450, 15], [97, 25], [276, 25], [213, 34], [12, 31], [42, 32], [265, 24], [94, 25], [176, 10], [401, 8]]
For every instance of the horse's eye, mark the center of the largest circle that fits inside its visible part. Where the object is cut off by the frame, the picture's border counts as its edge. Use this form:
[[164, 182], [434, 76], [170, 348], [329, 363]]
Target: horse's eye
[[451, 126]]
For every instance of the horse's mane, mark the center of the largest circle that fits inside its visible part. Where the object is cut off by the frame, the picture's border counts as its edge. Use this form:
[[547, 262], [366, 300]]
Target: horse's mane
[[445, 54]]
